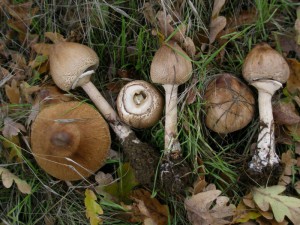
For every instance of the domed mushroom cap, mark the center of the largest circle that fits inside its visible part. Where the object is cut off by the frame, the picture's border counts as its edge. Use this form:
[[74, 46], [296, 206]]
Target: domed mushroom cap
[[70, 140], [68, 61], [170, 65], [263, 62], [229, 104], [140, 104]]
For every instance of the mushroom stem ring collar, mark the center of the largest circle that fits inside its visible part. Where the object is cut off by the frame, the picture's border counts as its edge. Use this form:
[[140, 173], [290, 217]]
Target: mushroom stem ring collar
[[85, 74]]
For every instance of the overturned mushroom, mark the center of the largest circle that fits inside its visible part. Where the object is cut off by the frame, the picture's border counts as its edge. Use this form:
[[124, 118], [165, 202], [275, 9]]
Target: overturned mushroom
[[140, 104], [229, 104], [70, 140], [266, 70], [71, 65], [171, 67]]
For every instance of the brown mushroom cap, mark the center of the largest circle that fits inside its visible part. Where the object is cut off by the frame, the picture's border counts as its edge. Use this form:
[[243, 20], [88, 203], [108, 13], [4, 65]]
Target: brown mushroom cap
[[68, 61], [70, 140], [263, 62], [170, 65], [140, 104], [229, 104]]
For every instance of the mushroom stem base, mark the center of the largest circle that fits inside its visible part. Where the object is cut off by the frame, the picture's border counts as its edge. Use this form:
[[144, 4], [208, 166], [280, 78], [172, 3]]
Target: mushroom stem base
[[175, 174], [143, 159]]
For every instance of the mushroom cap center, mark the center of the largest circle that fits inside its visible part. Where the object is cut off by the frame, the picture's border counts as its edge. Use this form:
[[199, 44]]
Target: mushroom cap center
[[64, 140], [138, 100], [139, 97]]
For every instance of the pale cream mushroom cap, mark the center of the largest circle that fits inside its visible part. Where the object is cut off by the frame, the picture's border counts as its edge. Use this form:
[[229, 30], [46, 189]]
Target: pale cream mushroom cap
[[140, 104], [263, 62], [170, 65], [70, 140], [69, 60]]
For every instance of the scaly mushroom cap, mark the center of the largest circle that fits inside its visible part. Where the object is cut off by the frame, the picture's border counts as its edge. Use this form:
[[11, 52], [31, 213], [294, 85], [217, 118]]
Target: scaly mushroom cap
[[229, 104], [263, 62], [70, 140], [140, 104], [170, 65], [68, 61]]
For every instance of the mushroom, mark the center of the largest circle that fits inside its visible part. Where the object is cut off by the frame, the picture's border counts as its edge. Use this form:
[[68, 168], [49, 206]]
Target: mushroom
[[229, 104], [139, 104], [266, 70], [171, 67], [70, 140], [71, 65]]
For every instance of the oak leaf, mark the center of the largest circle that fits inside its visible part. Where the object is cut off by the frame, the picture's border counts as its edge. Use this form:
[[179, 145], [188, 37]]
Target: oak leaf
[[209, 208], [12, 128], [152, 210], [270, 198], [93, 209]]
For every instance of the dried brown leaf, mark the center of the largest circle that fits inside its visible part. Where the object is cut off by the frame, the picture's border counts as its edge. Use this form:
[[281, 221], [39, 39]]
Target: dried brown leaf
[[294, 131], [297, 148], [248, 201], [289, 161], [12, 128], [288, 44], [297, 187], [285, 113], [152, 210], [201, 212], [293, 82], [215, 27], [244, 214], [189, 46], [12, 92], [3, 73], [149, 13], [218, 5], [199, 186], [42, 48], [26, 91], [8, 178], [264, 221], [55, 37]]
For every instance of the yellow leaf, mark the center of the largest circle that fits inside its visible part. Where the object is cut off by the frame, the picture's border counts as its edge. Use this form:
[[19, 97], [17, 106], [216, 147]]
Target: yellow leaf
[[244, 214], [93, 209]]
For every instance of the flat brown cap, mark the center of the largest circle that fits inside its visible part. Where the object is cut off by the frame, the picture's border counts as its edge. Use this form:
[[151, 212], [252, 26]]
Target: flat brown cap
[[70, 140], [69, 60]]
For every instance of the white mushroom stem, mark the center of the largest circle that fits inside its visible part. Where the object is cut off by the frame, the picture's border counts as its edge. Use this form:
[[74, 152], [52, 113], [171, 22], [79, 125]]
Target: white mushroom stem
[[121, 130], [172, 145], [266, 154]]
